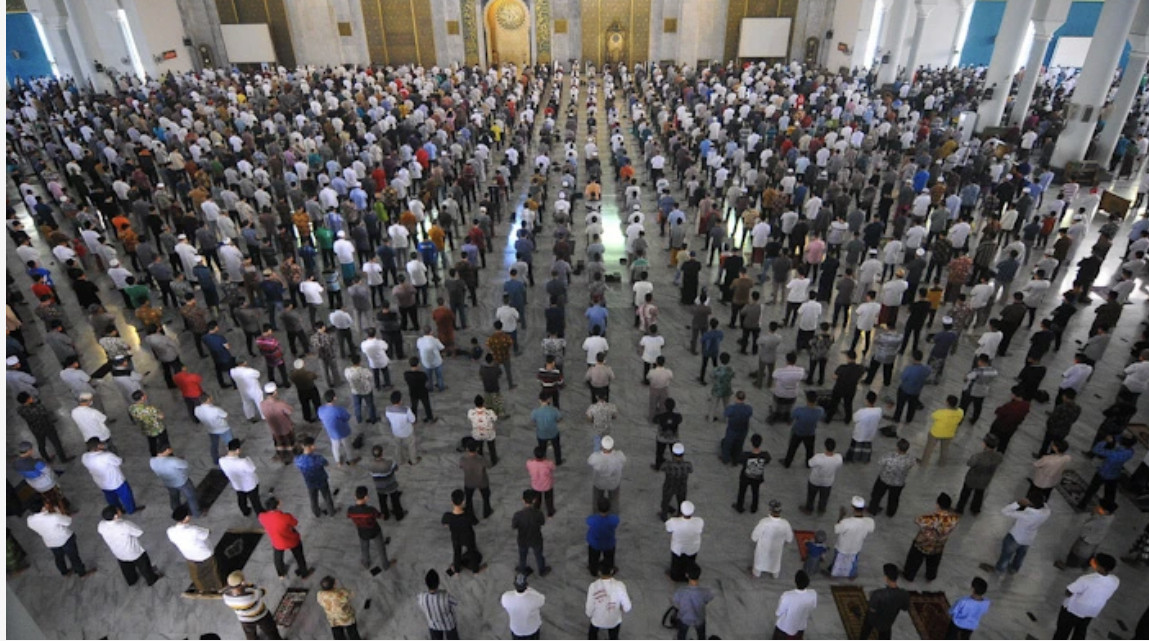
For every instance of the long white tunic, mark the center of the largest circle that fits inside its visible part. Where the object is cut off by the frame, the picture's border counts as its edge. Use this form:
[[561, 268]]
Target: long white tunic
[[247, 383], [771, 535]]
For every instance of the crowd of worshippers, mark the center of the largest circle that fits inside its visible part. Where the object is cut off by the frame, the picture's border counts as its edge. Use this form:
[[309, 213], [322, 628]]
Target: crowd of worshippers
[[321, 208]]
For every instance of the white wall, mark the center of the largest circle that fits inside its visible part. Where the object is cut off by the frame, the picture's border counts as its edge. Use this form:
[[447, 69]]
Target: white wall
[[937, 39], [701, 31], [315, 32], [156, 28], [848, 27]]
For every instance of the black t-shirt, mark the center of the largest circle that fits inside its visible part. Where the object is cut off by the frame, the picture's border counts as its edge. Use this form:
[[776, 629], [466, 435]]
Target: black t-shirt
[[754, 465], [668, 423], [462, 526], [849, 374], [416, 382], [529, 524]]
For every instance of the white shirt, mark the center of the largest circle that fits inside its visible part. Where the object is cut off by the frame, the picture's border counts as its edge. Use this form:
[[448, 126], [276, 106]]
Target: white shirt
[[988, 343], [55, 529], [524, 609], [344, 251], [866, 315], [91, 422], [809, 314], [892, 292], [1137, 377], [651, 347], [123, 539], [685, 534], [1024, 531], [606, 600], [240, 471], [1075, 377], [312, 292], [798, 290], [192, 541], [375, 349], [852, 532], [1034, 292], [509, 317], [430, 351], [980, 294], [213, 417], [641, 289], [866, 422], [402, 425], [418, 272], [593, 345], [794, 610], [104, 468], [823, 469], [1090, 594]]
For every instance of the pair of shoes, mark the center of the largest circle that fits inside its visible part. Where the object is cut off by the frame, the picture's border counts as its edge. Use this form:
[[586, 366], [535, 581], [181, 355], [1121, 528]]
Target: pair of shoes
[[545, 571], [738, 508], [304, 575]]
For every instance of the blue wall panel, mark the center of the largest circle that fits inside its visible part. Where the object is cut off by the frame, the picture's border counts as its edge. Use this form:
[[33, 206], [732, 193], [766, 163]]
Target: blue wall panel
[[21, 36], [986, 21]]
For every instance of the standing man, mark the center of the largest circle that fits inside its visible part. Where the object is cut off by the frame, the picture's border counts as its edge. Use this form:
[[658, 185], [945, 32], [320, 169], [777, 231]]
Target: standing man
[[524, 607], [214, 418], [805, 423], [606, 601], [123, 539], [691, 602], [402, 421], [366, 520], [193, 542], [280, 528], [770, 536], [241, 473], [795, 608], [893, 468], [852, 532], [674, 484], [438, 606], [1029, 514], [546, 419], [55, 528], [173, 473], [982, 466], [934, 530], [313, 468], [685, 541], [277, 412], [105, 470], [885, 604], [1086, 597], [246, 601], [823, 470], [528, 523], [737, 416], [337, 422]]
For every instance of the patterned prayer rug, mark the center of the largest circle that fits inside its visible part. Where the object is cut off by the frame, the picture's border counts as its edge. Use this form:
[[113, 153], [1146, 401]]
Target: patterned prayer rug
[[289, 606], [852, 606], [930, 612]]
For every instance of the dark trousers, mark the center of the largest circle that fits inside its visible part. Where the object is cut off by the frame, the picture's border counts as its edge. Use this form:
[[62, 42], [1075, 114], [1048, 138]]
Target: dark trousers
[[266, 625], [345, 631], [42, 438], [396, 506], [540, 560], [955, 632], [966, 492], [68, 552], [313, 494], [823, 494], [597, 559], [309, 399], [683, 629], [968, 399], [542, 442], [453, 633], [679, 563], [914, 562], [1071, 626], [908, 402], [612, 633], [879, 491], [292, 337], [887, 372], [132, 570], [795, 441], [249, 498], [1095, 484], [485, 492], [845, 398], [754, 486], [281, 566], [171, 368], [424, 397], [870, 626]]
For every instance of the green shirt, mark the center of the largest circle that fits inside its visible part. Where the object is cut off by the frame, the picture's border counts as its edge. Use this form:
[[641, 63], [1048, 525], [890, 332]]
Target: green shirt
[[148, 417], [721, 388], [325, 238]]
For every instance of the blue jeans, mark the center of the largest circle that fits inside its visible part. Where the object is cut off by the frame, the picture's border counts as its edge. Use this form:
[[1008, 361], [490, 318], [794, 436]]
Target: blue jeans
[[121, 497], [1011, 549], [540, 560], [435, 377], [188, 492], [358, 400], [216, 440]]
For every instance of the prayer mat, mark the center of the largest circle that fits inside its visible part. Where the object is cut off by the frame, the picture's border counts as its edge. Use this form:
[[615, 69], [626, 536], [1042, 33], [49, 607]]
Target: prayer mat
[[210, 488], [1072, 487], [930, 612], [289, 606], [800, 539], [235, 547], [852, 606]]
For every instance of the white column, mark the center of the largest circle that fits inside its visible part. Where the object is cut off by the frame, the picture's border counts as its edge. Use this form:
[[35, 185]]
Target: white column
[[1048, 16], [923, 7], [897, 19], [1081, 114], [961, 30], [1003, 64], [1127, 90]]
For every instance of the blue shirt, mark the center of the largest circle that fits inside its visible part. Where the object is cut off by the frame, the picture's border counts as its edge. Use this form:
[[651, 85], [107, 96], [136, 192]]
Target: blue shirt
[[1114, 460], [312, 468], [517, 291], [711, 340], [943, 344], [428, 252], [216, 344], [967, 612], [738, 416], [920, 180], [336, 420], [914, 378], [173, 472], [806, 420], [546, 419], [596, 315], [600, 531]]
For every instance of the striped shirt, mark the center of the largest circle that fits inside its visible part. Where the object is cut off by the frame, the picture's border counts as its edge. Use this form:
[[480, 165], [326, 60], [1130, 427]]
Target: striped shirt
[[439, 608], [247, 603]]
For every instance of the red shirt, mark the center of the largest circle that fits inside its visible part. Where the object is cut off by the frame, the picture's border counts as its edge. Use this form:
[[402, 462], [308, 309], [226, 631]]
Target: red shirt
[[39, 290], [189, 384], [280, 528]]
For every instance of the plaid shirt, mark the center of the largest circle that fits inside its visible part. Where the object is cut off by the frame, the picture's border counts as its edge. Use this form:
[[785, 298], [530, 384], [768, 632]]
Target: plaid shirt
[[677, 472], [148, 417], [40, 419], [268, 345]]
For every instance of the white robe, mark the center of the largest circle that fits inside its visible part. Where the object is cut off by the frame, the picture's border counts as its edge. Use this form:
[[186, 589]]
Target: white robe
[[771, 535], [247, 383]]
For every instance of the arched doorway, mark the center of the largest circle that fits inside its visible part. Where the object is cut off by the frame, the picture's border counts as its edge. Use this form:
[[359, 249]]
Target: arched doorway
[[508, 27]]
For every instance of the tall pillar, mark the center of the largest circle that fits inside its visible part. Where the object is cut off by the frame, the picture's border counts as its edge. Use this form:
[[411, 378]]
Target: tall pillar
[[1105, 48], [897, 19], [1048, 16], [961, 30], [923, 7], [1003, 63], [1127, 90]]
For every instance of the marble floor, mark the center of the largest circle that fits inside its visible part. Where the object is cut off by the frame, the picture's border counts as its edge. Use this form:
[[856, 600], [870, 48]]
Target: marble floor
[[1025, 605]]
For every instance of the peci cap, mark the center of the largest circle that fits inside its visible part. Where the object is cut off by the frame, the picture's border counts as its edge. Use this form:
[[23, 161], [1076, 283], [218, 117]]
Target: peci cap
[[858, 502], [947, 320], [269, 388], [678, 449], [607, 443], [12, 360], [686, 508], [299, 364]]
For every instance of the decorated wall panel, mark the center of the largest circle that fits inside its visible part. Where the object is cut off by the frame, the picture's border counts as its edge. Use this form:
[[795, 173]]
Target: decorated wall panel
[[399, 32], [615, 30]]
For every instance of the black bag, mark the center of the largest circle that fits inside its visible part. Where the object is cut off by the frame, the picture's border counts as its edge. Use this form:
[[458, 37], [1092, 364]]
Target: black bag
[[473, 560], [670, 618]]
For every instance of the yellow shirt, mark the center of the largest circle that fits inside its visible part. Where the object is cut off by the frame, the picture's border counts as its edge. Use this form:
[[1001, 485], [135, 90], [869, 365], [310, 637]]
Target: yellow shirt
[[945, 422]]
